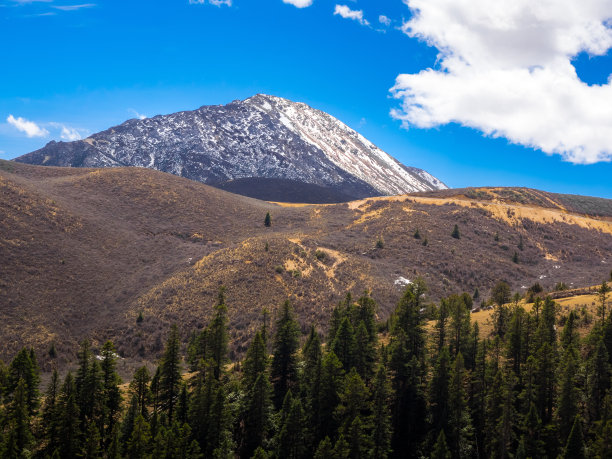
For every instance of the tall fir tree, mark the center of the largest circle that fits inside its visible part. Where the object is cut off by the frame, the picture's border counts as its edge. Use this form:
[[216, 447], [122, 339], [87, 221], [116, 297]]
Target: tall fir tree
[[284, 366], [170, 374]]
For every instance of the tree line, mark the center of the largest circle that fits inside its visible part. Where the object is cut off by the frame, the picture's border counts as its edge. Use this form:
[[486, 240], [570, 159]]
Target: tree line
[[534, 388]]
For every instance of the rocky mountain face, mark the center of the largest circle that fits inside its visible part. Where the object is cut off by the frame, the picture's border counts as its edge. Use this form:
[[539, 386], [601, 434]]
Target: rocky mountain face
[[263, 137]]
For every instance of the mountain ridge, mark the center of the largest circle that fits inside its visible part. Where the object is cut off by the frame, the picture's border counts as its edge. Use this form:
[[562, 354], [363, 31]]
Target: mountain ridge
[[260, 137]]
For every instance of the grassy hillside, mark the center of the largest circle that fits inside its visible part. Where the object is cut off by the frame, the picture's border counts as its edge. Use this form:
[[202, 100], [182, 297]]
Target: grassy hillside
[[83, 252]]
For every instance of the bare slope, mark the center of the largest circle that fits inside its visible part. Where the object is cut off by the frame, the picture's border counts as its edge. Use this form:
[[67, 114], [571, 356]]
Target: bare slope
[[84, 251]]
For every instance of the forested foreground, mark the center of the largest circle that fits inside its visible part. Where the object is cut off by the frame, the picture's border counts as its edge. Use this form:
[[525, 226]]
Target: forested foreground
[[535, 388]]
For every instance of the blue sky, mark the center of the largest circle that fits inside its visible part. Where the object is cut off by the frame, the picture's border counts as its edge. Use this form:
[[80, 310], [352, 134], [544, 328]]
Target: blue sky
[[74, 68]]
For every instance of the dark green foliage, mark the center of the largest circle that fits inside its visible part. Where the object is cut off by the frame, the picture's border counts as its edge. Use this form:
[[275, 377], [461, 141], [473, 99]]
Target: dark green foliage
[[456, 233], [515, 257], [170, 374], [417, 235], [140, 318], [501, 293], [380, 243], [268, 220], [574, 447], [440, 449], [283, 369], [520, 393]]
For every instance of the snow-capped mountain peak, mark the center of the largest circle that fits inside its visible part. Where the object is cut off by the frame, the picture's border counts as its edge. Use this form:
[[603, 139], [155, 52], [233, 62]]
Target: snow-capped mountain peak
[[262, 137]]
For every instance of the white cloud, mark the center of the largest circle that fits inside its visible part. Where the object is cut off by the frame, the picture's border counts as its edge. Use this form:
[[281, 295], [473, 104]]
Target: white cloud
[[299, 3], [347, 13], [505, 69], [73, 7], [30, 128], [384, 20], [211, 2]]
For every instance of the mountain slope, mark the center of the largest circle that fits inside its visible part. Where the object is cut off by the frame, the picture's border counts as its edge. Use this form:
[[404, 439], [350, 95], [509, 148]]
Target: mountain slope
[[84, 251], [264, 137]]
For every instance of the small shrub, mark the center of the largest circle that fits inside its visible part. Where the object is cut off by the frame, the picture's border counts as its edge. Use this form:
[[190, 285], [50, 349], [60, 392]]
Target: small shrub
[[425, 242], [380, 243], [268, 220], [267, 247], [320, 255], [496, 238], [456, 233], [140, 318], [279, 269], [417, 235], [297, 273], [515, 257], [52, 351], [560, 286]]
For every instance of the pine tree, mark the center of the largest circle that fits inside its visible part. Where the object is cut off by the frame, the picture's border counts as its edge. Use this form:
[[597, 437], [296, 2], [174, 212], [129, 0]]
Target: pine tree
[[255, 362], [91, 446], [532, 428], [257, 415], [139, 387], [567, 405], [440, 449], [217, 336], [283, 369], [456, 233], [170, 374], [331, 382], [20, 436], [325, 450], [381, 415], [574, 449], [459, 422], [417, 235], [598, 379], [310, 378], [345, 344], [291, 438], [69, 432], [219, 437], [140, 440], [439, 391], [24, 366], [353, 400], [268, 220], [111, 395], [50, 415]]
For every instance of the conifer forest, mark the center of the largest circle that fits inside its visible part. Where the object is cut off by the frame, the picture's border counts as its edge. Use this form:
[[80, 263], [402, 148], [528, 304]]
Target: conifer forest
[[419, 385]]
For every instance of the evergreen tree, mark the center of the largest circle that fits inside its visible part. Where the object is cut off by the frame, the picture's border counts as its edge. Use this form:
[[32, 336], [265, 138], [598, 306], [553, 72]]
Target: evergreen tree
[[345, 344], [257, 416], [268, 220], [111, 395], [283, 369], [459, 421], [69, 432], [217, 336], [575, 449], [456, 233], [439, 392], [567, 406], [91, 444], [139, 387], [255, 362], [325, 450], [50, 415], [140, 440], [440, 449], [170, 374], [291, 438], [381, 415], [532, 428], [353, 400], [331, 382], [24, 366], [20, 436]]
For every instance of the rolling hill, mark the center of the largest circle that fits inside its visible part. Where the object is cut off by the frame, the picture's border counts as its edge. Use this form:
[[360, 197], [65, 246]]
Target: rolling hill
[[84, 251]]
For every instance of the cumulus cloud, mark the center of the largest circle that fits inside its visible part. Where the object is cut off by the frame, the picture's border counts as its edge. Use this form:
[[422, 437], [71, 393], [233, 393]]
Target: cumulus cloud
[[29, 128], [70, 134], [384, 20], [505, 69], [299, 3], [347, 13], [211, 2]]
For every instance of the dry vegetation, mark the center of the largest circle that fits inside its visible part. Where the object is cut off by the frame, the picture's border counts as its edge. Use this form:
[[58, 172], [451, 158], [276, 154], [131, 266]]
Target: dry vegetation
[[83, 252]]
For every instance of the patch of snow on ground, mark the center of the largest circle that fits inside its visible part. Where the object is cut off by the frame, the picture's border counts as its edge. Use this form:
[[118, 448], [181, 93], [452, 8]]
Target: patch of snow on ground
[[402, 281]]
